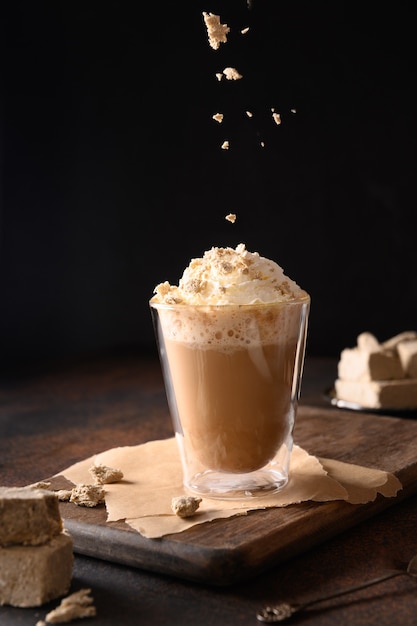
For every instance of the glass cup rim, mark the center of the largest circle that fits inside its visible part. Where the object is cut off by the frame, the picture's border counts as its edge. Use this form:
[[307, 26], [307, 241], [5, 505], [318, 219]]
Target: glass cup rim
[[302, 299]]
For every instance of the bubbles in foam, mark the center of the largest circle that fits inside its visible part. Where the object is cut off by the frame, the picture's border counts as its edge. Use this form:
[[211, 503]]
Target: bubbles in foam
[[231, 327]]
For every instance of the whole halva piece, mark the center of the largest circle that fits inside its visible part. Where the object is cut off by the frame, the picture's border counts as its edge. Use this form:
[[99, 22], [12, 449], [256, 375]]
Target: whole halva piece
[[36, 552], [379, 375]]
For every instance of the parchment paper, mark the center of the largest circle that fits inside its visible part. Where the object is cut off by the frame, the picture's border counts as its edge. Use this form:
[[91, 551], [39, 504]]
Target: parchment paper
[[152, 476]]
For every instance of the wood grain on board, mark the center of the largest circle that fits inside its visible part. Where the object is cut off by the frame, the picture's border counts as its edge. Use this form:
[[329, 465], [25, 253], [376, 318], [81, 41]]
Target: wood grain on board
[[229, 550]]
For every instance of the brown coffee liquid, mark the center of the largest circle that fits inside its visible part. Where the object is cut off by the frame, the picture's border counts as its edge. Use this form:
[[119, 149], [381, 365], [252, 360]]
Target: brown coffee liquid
[[234, 405]]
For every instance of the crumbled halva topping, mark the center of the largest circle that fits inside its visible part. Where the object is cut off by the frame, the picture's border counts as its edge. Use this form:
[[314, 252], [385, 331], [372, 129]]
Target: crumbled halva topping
[[229, 276]]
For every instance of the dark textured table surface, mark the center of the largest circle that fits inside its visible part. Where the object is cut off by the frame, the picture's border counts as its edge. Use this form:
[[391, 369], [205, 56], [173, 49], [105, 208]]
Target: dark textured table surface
[[55, 416]]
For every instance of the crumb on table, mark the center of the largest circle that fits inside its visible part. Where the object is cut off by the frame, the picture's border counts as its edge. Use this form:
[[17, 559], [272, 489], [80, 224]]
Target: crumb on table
[[87, 495]]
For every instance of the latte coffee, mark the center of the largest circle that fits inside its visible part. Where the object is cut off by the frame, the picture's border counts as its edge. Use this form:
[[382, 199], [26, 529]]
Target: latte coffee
[[233, 373], [231, 339]]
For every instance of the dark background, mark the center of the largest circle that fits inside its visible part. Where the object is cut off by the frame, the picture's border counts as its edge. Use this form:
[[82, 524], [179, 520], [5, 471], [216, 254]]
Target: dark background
[[113, 176]]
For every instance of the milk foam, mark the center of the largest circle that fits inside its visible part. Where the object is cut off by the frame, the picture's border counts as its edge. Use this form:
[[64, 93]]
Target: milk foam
[[231, 299], [232, 327]]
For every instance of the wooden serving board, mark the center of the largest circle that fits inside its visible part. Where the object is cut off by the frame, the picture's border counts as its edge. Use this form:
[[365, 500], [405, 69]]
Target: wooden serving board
[[229, 550]]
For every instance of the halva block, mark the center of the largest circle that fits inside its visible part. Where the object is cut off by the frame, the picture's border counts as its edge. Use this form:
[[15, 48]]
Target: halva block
[[395, 394], [357, 364], [379, 375], [407, 351], [33, 575], [28, 516]]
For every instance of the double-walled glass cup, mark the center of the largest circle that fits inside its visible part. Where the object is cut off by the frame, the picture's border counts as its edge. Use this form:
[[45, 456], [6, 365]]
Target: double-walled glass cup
[[232, 376]]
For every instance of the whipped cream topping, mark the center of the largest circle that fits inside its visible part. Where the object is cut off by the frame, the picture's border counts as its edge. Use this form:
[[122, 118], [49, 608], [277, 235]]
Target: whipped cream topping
[[230, 276]]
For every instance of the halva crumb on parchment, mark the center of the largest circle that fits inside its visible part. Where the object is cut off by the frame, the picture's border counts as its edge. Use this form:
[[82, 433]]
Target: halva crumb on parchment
[[87, 495], [231, 217], [75, 606], [217, 32], [63, 495], [102, 474], [42, 484], [185, 506]]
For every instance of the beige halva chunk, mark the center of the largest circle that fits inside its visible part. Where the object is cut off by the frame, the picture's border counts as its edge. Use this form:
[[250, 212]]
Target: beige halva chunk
[[185, 506], [369, 361], [41, 484], [33, 575], [63, 495], [377, 394], [355, 364], [28, 516], [103, 475], [277, 118], [379, 375], [407, 352], [87, 495], [392, 342], [231, 73], [216, 31]]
